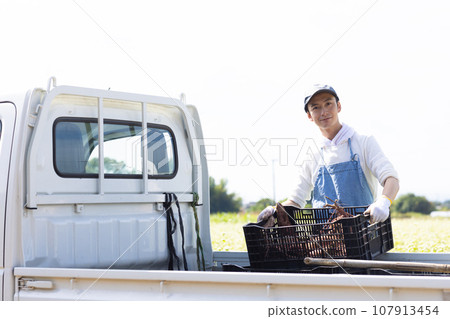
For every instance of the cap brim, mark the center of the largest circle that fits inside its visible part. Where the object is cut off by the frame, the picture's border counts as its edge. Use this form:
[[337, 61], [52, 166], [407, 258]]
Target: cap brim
[[317, 92]]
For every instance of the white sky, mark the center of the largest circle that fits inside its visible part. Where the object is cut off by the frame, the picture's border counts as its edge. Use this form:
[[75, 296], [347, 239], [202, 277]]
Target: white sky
[[246, 65]]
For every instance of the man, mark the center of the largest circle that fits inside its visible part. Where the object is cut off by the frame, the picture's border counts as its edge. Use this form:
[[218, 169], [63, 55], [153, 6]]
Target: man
[[350, 166]]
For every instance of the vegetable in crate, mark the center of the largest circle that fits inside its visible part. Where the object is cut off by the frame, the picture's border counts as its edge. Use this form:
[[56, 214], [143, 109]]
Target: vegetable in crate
[[327, 241], [332, 235], [283, 217], [269, 214], [277, 216], [267, 217], [338, 213]]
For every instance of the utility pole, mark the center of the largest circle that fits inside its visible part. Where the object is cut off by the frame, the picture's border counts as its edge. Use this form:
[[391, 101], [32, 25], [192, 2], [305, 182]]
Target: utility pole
[[273, 181]]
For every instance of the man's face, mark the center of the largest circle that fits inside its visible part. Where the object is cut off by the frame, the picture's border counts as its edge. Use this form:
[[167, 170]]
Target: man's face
[[323, 110]]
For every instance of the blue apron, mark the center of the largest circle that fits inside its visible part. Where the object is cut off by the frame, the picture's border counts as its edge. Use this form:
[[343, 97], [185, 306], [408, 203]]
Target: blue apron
[[342, 181]]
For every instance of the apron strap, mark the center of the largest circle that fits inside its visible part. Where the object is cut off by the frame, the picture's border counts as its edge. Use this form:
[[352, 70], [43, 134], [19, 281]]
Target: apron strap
[[352, 156]]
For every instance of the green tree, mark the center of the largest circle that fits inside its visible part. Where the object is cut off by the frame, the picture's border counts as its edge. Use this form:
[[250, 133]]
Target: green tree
[[220, 200], [412, 203], [261, 204], [111, 166], [445, 205]]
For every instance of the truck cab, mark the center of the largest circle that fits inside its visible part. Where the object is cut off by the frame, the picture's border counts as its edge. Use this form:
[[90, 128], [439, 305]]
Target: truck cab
[[85, 175]]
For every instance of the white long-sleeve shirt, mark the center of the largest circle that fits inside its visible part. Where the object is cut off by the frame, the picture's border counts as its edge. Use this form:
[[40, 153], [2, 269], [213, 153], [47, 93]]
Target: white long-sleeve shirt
[[375, 165]]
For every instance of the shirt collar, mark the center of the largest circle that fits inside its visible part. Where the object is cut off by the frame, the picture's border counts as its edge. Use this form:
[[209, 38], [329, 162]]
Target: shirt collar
[[344, 134]]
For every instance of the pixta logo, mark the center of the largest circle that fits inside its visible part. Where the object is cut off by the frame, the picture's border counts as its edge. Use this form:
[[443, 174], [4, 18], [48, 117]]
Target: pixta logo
[[247, 151]]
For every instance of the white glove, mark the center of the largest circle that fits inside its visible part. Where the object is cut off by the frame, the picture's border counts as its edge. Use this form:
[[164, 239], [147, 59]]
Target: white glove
[[379, 211], [266, 213]]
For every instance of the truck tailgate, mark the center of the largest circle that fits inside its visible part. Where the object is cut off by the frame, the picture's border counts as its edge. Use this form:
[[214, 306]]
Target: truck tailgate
[[102, 284]]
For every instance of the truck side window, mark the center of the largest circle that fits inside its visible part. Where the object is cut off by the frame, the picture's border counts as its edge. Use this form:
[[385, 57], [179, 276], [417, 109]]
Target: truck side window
[[76, 149]]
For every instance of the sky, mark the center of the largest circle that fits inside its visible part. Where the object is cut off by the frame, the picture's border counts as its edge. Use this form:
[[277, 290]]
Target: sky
[[245, 65]]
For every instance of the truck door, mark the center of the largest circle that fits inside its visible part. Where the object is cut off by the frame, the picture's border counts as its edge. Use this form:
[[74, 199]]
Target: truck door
[[7, 122]]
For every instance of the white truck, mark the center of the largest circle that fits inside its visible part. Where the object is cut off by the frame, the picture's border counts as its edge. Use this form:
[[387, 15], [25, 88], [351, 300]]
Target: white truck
[[85, 183]]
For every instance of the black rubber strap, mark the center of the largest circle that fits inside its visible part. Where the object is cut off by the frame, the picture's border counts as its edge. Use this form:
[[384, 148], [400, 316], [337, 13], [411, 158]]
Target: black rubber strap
[[180, 219], [171, 226]]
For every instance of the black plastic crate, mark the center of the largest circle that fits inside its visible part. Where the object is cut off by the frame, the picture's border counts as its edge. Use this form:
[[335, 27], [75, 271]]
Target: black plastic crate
[[313, 236]]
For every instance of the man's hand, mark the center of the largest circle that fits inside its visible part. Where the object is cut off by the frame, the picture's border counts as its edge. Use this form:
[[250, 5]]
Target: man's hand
[[379, 211], [266, 213]]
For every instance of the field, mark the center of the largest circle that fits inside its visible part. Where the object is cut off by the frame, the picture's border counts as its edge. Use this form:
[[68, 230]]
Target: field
[[415, 234]]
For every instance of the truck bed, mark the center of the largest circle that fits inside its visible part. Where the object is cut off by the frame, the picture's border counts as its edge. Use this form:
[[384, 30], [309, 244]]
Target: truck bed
[[116, 284]]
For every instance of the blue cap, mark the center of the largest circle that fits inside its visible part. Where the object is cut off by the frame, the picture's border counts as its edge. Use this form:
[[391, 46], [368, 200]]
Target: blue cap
[[318, 88]]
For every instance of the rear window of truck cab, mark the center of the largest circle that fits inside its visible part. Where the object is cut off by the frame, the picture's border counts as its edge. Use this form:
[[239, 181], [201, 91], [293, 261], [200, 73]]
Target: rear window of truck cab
[[76, 149]]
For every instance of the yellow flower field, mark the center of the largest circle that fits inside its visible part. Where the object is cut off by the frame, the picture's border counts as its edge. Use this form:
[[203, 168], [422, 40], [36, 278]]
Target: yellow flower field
[[421, 234]]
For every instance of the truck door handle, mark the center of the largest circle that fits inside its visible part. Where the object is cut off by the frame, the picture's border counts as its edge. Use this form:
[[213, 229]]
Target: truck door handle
[[25, 283]]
